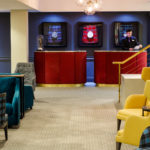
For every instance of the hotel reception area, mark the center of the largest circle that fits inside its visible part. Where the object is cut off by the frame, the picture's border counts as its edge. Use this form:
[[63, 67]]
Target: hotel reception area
[[74, 75]]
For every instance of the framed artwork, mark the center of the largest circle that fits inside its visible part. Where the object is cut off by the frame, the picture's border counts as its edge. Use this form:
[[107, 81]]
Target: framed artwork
[[90, 34], [120, 31], [55, 34]]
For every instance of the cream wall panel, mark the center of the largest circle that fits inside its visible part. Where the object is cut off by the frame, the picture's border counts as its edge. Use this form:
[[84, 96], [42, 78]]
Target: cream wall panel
[[19, 37], [130, 84]]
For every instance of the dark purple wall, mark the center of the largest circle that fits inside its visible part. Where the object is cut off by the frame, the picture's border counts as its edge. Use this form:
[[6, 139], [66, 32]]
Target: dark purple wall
[[4, 42], [72, 19], [35, 20]]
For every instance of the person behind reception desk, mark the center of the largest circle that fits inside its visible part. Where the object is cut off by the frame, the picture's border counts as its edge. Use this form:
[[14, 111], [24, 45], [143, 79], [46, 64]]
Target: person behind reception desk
[[130, 42]]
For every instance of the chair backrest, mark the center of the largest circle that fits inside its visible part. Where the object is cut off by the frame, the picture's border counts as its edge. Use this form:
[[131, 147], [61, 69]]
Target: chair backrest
[[2, 108], [145, 73], [147, 92], [8, 85], [27, 69]]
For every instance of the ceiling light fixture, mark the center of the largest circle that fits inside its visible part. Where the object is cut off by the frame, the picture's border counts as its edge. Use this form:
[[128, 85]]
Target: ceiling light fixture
[[90, 6]]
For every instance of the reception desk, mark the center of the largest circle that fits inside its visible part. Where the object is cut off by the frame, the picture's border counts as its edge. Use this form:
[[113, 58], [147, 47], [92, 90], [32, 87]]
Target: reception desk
[[60, 67], [107, 73]]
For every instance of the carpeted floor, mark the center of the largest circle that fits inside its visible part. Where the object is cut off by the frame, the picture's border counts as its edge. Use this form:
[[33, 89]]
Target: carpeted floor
[[68, 119]]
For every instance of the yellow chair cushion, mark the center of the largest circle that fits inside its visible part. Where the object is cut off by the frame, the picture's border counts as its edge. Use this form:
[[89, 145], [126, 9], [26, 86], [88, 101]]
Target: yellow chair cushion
[[136, 101], [125, 113], [146, 73]]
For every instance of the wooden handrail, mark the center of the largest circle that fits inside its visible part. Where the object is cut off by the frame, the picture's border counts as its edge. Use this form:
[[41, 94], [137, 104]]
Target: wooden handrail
[[131, 57]]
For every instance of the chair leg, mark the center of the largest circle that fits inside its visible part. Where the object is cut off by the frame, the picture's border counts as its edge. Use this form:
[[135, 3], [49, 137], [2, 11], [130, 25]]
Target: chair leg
[[118, 124], [118, 146], [6, 133]]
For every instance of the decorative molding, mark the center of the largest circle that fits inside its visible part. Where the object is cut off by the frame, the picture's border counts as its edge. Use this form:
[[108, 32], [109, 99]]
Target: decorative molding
[[5, 59], [8, 59], [31, 59]]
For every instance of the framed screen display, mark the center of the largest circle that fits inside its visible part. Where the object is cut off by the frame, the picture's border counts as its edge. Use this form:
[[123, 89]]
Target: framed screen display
[[55, 34], [120, 29], [90, 34]]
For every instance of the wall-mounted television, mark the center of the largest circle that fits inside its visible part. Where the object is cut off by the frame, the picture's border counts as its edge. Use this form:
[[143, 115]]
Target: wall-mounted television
[[55, 34], [120, 31], [90, 34]]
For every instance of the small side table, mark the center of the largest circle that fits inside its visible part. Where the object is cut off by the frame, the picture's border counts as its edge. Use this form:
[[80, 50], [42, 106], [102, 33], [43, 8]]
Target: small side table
[[145, 108]]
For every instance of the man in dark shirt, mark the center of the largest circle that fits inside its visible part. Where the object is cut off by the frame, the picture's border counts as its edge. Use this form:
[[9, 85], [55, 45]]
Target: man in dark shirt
[[130, 42]]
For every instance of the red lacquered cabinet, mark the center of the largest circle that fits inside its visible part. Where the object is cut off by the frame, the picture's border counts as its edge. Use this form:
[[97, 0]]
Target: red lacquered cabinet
[[60, 67], [107, 73]]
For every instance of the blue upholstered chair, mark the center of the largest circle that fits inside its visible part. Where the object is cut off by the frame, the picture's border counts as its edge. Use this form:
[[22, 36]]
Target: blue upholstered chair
[[10, 85], [3, 116]]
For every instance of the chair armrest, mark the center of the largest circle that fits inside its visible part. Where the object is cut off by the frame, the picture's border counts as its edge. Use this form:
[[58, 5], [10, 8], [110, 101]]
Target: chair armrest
[[134, 127], [16, 101], [135, 101], [34, 82]]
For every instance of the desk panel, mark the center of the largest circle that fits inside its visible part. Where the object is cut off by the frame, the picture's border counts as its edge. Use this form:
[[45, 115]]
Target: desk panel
[[60, 67], [52, 68], [100, 76], [131, 66], [141, 61], [80, 67], [39, 62], [112, 70], [67, 68], [107, 73]]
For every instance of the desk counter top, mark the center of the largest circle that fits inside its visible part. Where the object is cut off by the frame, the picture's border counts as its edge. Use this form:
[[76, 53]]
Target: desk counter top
[[131, 76], [115, 51], [46, 51]]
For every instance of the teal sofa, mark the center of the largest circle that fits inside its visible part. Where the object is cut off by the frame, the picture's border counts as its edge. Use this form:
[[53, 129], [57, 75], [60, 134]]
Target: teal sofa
[[10, 85]]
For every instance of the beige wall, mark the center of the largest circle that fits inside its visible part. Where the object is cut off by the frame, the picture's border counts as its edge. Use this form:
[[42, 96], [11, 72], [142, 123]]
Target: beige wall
[[130, 84], [19, 37]]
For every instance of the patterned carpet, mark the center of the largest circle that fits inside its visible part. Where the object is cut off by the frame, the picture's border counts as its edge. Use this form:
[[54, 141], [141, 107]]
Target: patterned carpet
[[67, 119]]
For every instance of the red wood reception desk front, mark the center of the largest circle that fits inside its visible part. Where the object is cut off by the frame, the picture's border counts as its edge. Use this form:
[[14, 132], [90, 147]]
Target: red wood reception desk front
[[60, 68], [107, 73]]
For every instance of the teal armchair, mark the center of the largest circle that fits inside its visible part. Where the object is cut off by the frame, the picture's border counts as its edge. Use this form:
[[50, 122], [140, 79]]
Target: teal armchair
[[10, 85]]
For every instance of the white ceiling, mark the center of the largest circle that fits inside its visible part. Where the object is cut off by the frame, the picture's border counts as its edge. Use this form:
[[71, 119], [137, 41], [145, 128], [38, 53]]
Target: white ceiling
[[71, 5], [107, 5]]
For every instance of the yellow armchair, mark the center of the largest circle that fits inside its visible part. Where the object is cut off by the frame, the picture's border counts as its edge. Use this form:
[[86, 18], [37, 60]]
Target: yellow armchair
[[133, 105], [132, 132]]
